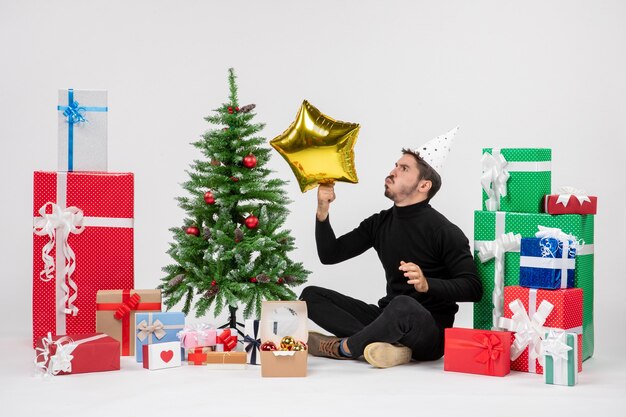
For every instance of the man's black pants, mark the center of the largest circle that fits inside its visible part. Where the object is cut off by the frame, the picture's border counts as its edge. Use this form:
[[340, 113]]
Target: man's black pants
[[404, 320]]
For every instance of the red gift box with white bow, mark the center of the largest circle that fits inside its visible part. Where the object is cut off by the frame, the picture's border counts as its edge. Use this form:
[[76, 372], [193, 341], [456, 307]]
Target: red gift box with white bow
[[77, 354], [475, 351], [530, 313], [570, 201], [82, 243]]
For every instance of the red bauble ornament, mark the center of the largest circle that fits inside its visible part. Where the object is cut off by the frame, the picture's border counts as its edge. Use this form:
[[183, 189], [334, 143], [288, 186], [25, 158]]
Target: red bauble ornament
[[268, 346], [213, 283], [236, 108], [253, 280], [192, 230], [208, 198], [230, 110], [249, 161], [280, 281], [252, 222]]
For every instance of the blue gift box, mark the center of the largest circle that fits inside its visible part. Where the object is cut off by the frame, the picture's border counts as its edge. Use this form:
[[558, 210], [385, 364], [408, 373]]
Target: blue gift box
[[547, 263], [156, 328]]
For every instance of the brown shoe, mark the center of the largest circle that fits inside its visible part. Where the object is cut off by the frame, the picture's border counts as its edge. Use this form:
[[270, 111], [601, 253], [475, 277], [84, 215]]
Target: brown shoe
[[386, 355], [324, 346]]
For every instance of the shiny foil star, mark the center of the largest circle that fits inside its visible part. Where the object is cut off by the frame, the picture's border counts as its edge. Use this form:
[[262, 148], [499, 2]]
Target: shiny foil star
[[318, 148]]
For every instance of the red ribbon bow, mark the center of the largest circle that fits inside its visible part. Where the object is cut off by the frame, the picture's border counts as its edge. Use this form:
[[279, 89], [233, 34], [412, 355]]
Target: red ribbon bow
[[491, 348], [128, 305], [228, 340]]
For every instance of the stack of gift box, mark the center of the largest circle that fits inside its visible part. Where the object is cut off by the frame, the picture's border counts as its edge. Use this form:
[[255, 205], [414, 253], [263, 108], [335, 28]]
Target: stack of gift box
[[534, 255], [86, 312], [212, 348]]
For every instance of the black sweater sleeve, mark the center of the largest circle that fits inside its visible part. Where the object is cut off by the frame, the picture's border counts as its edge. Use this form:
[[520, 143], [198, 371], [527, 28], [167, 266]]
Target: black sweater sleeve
[[463, 283], [332, 250]]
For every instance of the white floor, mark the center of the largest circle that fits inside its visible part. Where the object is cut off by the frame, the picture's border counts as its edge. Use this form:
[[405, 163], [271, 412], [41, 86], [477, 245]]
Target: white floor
[[332, 388]]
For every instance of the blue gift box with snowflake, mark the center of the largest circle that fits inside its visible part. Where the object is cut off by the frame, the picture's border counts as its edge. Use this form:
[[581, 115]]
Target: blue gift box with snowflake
[[547, 263]]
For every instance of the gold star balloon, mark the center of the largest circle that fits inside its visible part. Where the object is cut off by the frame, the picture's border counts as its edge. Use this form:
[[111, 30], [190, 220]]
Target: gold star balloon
[[318, 148]]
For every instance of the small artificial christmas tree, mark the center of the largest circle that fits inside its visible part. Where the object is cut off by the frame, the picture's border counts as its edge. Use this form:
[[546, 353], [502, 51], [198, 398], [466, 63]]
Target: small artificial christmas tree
[[231, 250]]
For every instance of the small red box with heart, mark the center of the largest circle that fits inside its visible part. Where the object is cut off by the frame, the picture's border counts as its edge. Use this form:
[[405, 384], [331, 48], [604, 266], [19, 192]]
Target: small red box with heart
[[161, 355]]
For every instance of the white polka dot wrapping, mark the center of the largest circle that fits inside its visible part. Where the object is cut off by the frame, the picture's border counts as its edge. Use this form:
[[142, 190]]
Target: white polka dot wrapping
[[104, 255], [567, 314]]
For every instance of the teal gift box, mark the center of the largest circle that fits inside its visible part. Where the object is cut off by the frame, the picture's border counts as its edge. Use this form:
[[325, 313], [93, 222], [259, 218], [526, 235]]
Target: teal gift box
[[156, 328], [489, 227], [560, 350], [516, 179]]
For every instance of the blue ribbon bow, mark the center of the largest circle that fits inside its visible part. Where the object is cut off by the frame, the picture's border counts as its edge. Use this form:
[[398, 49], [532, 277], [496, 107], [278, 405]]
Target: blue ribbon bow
[[75, 114]]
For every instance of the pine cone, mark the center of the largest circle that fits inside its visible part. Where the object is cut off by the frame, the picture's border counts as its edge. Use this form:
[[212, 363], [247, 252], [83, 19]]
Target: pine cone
[[247, 108], [238, 235], [206, 233], [176, 280], [262, 278], [289, 279], [211, 292]]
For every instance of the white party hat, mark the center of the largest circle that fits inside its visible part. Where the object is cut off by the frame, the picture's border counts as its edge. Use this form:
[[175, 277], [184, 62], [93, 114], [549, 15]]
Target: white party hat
[[435, 151]]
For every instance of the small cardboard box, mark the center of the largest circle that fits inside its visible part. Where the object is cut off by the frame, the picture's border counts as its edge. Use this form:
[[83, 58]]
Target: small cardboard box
[[226, 360], [280, 319]]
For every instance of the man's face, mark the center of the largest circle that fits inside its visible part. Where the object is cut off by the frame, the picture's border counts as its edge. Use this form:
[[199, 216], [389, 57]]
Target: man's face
[[402, 183]]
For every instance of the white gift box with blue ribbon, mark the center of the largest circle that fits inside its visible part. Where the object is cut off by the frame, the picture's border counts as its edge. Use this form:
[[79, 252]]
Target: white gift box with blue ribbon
[[82, 134], [548, 261]]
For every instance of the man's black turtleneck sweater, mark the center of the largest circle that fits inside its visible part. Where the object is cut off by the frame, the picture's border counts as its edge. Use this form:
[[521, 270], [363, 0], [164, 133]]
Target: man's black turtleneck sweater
[[419, 234]]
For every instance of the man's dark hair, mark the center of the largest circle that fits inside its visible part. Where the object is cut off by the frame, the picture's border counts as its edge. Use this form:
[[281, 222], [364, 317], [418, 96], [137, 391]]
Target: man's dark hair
[[426, 172]]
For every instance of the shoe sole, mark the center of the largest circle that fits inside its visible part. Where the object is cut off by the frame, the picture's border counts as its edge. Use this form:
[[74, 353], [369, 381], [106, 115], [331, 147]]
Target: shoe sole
[[386, 355]]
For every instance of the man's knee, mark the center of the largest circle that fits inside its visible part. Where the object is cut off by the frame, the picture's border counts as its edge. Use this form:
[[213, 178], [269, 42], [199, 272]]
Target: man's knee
[[311, 293], [407, 308]]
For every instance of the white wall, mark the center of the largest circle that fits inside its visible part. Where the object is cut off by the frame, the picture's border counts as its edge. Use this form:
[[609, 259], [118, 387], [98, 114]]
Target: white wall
[[510, 73]]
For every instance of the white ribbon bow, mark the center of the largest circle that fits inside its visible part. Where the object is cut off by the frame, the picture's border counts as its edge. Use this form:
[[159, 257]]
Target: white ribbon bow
[[197, 330], [156, 328], [494, 179], [565, 193], [568, 243], [61, 361], [555, 345], [528, 331], [66, 221], [506, 242]]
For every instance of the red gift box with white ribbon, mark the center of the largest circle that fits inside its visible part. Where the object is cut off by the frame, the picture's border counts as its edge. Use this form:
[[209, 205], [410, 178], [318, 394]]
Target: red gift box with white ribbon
[[570, 201], [77, 354], [82, 243], [530, 313]]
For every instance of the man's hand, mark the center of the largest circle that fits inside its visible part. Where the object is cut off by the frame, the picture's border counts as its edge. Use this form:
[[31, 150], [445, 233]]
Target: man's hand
[[325, 196], [414, 275]]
